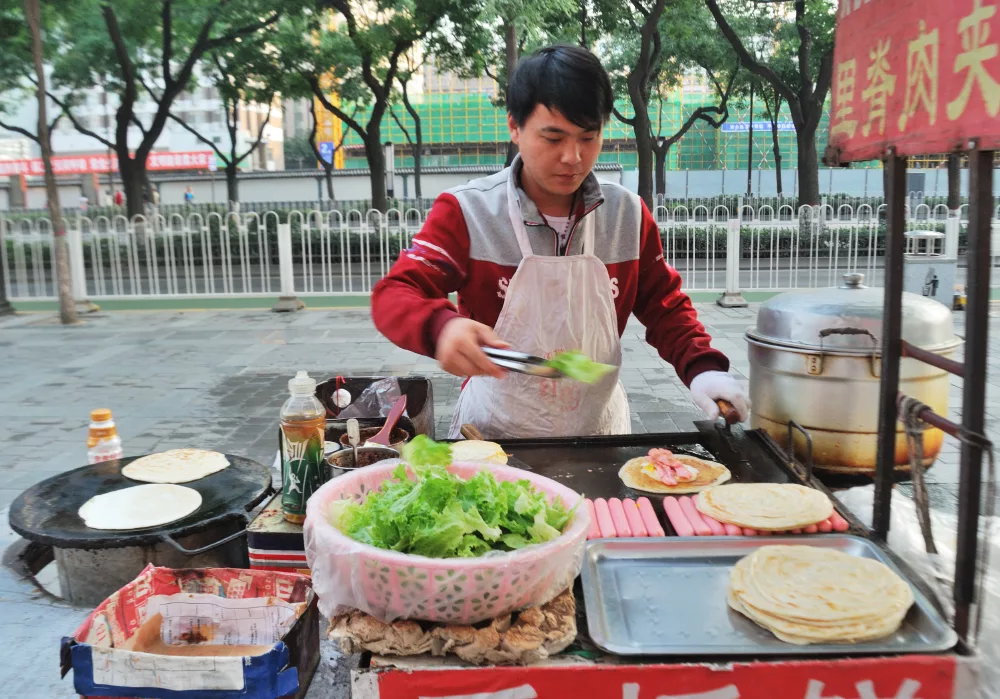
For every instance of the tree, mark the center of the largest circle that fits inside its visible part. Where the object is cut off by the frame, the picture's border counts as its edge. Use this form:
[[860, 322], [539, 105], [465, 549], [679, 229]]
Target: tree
[[652, 45], [380, 36], [245, 75], [772, 109], [326, 164], [153, 47], [23, 49], [499, 34], [299, 152], [416, 141], [812, 44]]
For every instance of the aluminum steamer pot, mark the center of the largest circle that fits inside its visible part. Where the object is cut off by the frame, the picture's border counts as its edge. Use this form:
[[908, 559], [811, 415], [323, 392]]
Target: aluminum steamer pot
[[815, 358]]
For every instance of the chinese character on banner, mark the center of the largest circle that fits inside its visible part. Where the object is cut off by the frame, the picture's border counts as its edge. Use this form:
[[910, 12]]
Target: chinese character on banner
[[730, 691], [525, 691], [921, 77], [866, 690], [975, 31], [843, 100]]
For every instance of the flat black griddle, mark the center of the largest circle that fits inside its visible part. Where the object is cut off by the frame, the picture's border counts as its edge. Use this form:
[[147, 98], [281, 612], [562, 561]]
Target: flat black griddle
[[589, 465], [47, 511]]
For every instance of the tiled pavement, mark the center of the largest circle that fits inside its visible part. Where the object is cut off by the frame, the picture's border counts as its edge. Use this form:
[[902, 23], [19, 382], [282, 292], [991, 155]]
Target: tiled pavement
[[216, 380]]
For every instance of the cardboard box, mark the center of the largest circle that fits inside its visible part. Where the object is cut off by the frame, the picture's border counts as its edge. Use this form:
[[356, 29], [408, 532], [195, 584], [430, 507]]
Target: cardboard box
[[214, 604]]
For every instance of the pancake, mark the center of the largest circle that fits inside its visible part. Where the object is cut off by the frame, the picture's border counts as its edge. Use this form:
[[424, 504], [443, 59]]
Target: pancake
[[765, 506], [176, 466], [140, 507], [809, 594], [478, 451], [710, 473]]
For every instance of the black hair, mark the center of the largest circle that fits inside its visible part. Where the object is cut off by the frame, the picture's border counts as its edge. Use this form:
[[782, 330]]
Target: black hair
[[569, 79]]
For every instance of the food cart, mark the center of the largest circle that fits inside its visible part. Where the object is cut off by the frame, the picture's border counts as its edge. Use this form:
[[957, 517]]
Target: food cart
[[651, 617]]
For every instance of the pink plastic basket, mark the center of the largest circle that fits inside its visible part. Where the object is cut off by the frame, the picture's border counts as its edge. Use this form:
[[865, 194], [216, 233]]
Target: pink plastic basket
[[389, 585]]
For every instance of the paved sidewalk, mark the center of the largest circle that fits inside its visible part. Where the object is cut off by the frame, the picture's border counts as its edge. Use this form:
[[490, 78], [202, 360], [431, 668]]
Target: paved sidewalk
[[216, 380]]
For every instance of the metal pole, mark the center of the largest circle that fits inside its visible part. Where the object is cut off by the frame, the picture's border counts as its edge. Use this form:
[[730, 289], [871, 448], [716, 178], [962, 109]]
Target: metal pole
[[750, 149], [5, 307], [977, 328], [892, 326]]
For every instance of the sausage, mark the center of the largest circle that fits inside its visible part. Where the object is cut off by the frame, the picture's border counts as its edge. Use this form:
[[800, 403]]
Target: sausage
[[604, 520], [618, 518], [694, 517], [648, 515], [826, 526], [839, 523], [680, 523], [732, 530], [634, 518]]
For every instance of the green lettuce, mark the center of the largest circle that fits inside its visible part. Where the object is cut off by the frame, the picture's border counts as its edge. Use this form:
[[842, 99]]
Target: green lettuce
[[428, 511], [424, 451], [579, 367]]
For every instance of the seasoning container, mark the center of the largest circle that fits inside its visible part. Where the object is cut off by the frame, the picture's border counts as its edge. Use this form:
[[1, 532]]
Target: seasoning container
[[303, 425], [103, 442]]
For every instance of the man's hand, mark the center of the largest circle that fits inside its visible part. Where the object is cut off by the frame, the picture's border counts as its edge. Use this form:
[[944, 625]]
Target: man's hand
[[710, 386], [459, 348]]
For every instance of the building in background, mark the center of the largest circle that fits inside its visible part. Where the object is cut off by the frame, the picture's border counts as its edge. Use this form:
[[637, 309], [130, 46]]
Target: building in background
[[199, 106]]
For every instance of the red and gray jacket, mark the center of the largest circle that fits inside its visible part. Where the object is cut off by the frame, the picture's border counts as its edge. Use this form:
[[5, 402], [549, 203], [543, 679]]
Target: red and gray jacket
[[467, 245]]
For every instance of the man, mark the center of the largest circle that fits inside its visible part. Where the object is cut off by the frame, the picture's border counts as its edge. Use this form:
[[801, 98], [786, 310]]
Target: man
[[546, 258]]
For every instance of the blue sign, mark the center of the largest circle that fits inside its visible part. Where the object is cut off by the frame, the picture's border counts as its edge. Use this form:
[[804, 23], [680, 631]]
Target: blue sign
[[326, 151], [744, 126]]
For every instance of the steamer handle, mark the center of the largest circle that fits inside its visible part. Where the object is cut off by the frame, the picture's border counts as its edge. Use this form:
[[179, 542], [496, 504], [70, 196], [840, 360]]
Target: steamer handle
[[204, 549], [792, 426]]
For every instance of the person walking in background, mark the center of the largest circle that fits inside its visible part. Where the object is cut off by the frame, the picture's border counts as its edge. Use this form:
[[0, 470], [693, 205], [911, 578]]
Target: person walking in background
[[119, 197], [188, 196]]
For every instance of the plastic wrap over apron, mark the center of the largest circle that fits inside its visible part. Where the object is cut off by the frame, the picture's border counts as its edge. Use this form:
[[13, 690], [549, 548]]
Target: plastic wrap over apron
[[552, 304]]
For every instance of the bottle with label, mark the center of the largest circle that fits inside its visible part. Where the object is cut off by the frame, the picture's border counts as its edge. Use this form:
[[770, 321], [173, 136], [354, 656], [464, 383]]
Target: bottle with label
[[103, 442], [303, 429]]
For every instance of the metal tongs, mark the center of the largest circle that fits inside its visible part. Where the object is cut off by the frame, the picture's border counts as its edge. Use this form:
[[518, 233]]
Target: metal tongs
[[522, 363]]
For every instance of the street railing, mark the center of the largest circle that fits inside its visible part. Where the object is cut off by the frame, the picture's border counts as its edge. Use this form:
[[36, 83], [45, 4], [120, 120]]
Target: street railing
[[748, 246]]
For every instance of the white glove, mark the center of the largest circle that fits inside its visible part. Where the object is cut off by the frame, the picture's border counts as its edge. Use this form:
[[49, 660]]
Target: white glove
[[710, 386]]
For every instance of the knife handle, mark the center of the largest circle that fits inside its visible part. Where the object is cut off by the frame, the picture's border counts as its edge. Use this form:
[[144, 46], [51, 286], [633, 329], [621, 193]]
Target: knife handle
[[728, 411], [470, 432]]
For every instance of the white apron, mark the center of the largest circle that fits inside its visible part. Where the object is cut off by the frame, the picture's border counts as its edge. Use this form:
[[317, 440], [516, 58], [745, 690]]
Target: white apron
[[552, 304]]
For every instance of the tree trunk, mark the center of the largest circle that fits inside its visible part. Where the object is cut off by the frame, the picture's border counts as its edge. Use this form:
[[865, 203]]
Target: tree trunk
[[954, 181], [510, 43], [67, 309], [328, 176], [643, 143], [660, 153], [232, 185], [133, 182], [776, 146], [808, 166], [376, 166]]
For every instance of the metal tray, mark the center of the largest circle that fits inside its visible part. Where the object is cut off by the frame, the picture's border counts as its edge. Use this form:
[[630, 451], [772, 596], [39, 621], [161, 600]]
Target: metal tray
[[667, 596]]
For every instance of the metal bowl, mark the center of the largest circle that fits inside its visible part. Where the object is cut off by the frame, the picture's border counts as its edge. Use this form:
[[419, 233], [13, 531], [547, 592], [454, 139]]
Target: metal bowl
[[342, 461]]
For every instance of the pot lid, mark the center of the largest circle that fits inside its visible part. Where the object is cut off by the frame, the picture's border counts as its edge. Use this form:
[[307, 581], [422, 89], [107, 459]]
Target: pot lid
[[849, 317]]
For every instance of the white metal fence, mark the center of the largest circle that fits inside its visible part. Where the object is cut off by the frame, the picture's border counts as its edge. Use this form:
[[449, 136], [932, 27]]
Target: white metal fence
[[745, 247]]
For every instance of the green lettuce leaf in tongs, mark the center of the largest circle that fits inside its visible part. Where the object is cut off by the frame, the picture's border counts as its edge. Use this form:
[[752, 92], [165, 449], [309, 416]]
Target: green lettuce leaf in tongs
[[580, 367]]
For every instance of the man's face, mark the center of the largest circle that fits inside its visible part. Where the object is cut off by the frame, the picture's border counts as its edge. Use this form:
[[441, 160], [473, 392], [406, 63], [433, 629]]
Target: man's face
[[557, 153]]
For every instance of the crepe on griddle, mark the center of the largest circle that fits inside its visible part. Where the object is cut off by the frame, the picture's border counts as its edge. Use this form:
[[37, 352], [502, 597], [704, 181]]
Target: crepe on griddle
[[176, 466], [808, 594], [709, 473], [140, 507], [765, 506]]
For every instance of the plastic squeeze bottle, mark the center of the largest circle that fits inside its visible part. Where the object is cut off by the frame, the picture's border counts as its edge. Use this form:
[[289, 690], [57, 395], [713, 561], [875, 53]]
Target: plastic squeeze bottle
[[103, 442], [303, 428]]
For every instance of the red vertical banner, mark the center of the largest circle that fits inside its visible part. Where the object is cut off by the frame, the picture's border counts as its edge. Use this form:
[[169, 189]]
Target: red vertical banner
[[921, 76]]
